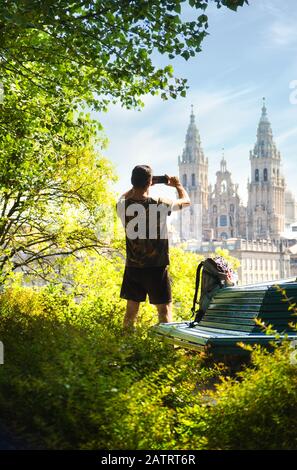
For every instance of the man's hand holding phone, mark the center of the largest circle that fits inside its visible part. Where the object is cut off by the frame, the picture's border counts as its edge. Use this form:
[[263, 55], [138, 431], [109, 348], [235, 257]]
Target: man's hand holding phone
[[173, 181]]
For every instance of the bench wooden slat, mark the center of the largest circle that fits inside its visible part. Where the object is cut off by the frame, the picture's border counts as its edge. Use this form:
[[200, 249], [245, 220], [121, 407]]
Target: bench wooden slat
[[234, 307], [237, 300], [228, 326], [234, 292], [278, 324], [252, 314], [226, 319], [273, 317], [231, 314]]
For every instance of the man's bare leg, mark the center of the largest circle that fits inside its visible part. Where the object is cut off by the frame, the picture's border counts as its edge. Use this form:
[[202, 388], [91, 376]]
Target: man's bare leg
[[131, 314], [165, 312]]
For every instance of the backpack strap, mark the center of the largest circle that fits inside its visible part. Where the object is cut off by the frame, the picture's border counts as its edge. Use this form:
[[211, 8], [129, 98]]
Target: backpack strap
[[197, 313], [198, 287]]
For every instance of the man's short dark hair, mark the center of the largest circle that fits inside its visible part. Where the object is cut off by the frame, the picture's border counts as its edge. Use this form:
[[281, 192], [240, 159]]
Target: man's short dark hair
[[141, 176]]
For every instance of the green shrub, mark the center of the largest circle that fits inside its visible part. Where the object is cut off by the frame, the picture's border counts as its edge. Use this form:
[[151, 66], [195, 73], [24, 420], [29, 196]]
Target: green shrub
[[255, 410], [65, 382], [73, 380]]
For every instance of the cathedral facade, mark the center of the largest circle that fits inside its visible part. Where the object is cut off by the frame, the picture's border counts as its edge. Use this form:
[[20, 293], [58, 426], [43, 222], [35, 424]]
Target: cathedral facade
[[217, 212]]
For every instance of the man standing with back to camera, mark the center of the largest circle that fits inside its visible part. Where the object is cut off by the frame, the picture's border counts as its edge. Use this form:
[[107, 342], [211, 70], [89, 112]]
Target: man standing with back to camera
[[147, 250]]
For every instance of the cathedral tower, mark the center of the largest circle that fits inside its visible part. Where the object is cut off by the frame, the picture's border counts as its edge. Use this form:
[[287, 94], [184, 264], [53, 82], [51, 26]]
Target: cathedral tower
[[193, 174], [266, 190]]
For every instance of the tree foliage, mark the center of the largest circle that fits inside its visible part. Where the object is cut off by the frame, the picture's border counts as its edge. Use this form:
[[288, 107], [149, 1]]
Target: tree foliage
[[56, 57], [100, 50], [54, 185]]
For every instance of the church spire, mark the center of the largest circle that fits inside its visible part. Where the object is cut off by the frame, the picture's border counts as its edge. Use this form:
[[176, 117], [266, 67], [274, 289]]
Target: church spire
[[264, 110], [265, 146], [223, 162], [264, 117], [192, 151], [192, 117]]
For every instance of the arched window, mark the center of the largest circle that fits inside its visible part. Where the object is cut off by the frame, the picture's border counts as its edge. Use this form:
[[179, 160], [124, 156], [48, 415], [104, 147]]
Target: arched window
[[257, 175], [265, 174], [224, 235], [184, 180], [193, 179], [223, 220], [259, 224]]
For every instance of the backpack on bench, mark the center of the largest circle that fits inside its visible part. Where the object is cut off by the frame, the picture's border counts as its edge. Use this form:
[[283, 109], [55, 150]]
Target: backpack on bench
[[212, 275]]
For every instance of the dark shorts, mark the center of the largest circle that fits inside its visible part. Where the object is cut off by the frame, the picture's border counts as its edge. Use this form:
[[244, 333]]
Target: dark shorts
[[154, 281]]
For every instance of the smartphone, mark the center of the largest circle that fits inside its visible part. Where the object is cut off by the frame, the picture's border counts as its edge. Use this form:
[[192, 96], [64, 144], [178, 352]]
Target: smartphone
[[160, 179]]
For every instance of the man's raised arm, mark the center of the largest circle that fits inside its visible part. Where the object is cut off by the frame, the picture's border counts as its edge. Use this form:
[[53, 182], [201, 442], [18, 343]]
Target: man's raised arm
[[183, 199]]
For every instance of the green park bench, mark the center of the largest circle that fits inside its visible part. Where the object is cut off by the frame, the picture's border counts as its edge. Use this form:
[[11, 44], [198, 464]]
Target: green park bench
[[230, 319]]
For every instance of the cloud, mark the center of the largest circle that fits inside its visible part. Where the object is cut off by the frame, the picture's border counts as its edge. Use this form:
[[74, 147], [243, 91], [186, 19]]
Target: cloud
[[283, 137], [270, 7], [145, 146], [282, 28], [284, 33]]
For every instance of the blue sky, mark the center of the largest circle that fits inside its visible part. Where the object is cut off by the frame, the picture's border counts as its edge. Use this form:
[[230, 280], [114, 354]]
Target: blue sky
[[248, 54]]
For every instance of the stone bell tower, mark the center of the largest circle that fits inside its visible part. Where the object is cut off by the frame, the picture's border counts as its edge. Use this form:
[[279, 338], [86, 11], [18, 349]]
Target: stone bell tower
[[193, 174], [266, 189]]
